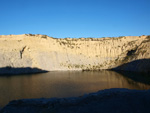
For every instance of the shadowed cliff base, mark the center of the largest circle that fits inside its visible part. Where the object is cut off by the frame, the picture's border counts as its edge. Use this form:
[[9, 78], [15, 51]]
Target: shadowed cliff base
[[136, 76], [20, 70], [105, 101], [137, 70], [141, 65]]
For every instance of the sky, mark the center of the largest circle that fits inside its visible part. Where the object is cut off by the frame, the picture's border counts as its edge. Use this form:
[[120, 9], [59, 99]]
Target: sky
[[75, 18]]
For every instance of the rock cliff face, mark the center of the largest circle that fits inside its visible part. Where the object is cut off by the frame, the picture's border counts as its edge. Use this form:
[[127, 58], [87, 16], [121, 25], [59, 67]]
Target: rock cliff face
[[51, 54]]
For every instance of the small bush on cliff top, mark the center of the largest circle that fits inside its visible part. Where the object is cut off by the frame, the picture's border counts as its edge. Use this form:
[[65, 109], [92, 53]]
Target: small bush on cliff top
[[148, 37], [44, 36], [31, 34]]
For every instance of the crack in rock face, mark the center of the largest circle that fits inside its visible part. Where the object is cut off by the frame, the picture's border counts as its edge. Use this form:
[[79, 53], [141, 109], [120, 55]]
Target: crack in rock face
[[21, 52]]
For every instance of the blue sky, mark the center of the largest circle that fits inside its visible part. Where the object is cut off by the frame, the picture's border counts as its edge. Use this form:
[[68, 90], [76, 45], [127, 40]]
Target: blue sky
[[75, 18]]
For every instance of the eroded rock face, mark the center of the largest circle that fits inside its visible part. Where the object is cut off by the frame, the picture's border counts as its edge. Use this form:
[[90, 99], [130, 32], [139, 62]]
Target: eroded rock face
[[46, 53]]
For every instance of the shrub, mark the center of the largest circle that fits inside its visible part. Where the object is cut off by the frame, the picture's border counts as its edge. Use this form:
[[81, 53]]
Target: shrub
[[31, 34], [44, 36], [148, 37]]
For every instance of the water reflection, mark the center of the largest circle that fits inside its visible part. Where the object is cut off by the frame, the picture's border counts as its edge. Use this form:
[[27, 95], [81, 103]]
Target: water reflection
[[62, 84]]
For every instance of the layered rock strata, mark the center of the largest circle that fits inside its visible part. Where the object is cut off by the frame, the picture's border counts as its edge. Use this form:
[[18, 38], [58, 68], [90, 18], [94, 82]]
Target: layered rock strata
[[52, 54]]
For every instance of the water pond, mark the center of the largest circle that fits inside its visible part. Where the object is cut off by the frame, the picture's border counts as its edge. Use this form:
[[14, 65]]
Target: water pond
[[65, 84]]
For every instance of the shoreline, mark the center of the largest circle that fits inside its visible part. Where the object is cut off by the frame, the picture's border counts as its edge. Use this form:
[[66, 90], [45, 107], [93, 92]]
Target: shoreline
[[113, 100]]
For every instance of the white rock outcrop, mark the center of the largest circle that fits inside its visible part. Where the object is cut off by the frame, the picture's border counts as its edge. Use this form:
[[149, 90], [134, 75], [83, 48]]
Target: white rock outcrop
[[51, 54]]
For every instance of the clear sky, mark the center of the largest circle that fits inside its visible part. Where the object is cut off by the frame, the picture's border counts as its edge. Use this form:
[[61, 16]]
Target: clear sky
[[75, 18]]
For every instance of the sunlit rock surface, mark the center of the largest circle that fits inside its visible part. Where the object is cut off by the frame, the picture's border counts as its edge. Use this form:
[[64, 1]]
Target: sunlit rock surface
[[51, 54], [105, 101]]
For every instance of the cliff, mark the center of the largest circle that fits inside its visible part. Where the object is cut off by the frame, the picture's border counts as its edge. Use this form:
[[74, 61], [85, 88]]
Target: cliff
[[51, 54]]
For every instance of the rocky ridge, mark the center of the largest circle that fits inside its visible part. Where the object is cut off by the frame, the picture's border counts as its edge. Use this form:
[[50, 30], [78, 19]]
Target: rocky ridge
[[52, 54], [105, 101]]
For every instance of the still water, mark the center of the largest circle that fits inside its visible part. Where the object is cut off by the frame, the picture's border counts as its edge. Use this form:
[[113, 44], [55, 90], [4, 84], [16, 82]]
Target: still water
[[62, 84]]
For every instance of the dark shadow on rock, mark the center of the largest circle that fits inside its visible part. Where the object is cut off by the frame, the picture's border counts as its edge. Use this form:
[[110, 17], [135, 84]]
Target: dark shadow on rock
[[105, 101], [141, 65], [21, 70], [136, 76], [137, 70]]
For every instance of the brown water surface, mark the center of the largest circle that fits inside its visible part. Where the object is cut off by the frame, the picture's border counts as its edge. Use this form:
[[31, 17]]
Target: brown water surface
[[62, 84]]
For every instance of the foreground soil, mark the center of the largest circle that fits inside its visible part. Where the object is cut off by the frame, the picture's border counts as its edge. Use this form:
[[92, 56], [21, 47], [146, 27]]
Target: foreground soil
[[105, 101]]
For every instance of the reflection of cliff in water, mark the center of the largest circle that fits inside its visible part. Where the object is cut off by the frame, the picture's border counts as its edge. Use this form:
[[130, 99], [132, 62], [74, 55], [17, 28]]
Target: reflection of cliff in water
[[136, 76], [123, 80], [62, 84]]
